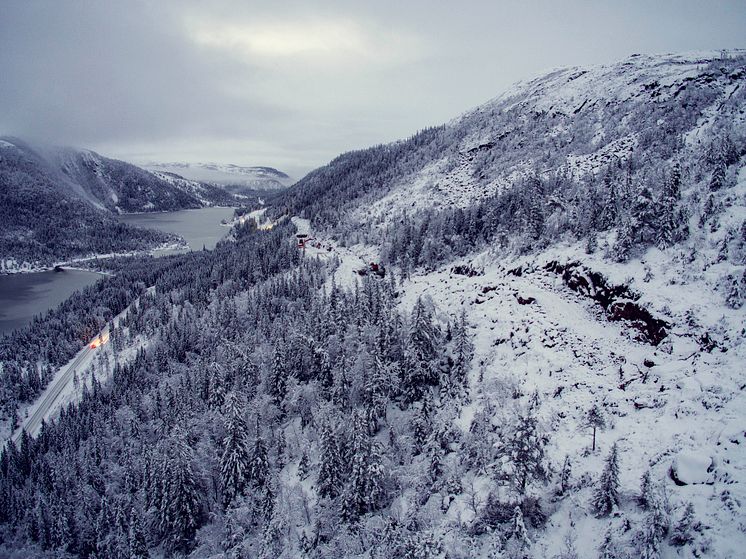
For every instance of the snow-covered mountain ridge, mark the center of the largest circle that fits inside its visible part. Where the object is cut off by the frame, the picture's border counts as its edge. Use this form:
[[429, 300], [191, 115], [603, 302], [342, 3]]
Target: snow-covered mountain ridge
[[44, 189], [578, 121], [229, 176]]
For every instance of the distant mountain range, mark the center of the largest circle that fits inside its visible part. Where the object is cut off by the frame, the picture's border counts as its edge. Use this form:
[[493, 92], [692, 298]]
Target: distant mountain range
[[57, 203], [234, 178]]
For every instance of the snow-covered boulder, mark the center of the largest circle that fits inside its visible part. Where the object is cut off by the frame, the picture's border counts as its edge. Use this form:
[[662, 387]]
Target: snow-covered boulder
[[692, 468]]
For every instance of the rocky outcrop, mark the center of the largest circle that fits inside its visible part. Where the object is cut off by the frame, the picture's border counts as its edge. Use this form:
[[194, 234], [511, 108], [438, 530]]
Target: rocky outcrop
[[619, 302]]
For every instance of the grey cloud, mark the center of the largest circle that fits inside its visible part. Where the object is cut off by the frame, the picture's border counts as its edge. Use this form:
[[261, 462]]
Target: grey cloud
[[292, 84]]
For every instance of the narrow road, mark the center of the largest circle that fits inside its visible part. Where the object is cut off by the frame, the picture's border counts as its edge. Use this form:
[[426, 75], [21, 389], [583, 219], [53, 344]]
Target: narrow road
[[53, 391]]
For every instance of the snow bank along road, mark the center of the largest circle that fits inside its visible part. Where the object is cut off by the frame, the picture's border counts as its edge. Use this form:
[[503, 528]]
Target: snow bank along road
[[52, 398], [46, 403]]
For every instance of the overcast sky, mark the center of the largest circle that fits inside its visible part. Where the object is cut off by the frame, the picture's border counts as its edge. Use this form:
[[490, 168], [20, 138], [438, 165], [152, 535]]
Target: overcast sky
[[292, 84]]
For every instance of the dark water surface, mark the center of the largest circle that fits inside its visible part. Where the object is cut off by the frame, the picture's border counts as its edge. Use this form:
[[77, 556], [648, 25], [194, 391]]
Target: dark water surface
[[200, 228], [22, 296]]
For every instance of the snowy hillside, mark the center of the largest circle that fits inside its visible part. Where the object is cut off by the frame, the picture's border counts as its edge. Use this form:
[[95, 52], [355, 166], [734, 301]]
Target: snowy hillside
[[578, 121], [207, 194], [592, 225], [50, 218], [120, 187]]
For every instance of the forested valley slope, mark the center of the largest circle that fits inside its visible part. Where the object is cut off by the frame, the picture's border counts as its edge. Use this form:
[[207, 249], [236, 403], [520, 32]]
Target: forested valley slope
[[517, 335]]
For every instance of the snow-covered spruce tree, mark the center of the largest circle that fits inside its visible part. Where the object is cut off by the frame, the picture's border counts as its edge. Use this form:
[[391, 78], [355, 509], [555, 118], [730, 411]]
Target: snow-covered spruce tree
[[435, 455], [463, 351], [565, 476], [591, 245], [303, 466], [518, 545], [594, 420], [525, 450], [655, 526], [420, 367], [216, 388], [683, 532], [736, 290], [478, 450], [644, 218], [606, 495], [235, 459], [377, 389], [365, 490], [422, 423], [341, 391], [610, 210], [624, 243], [718, 174], [422, 545], [330, 468], [646, 496], [278, 375], [640, 228], [258, 464], [121, 533], [708, 210], [672, 219], [609, 549], [180, 509], [138, 547]]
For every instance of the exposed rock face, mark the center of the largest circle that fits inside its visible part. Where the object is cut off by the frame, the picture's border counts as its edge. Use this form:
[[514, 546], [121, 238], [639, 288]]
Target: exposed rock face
[[619, 302]]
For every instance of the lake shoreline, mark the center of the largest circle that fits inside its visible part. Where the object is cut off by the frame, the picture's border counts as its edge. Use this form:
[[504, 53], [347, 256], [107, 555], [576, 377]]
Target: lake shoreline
[[28, 290], [71, 264]]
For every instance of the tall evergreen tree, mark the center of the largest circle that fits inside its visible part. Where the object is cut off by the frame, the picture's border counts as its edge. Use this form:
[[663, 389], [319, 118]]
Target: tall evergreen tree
[[718, 174], [519, 543], [606, 495], [565, 476], [258, 464], [608, 547], [278, 375], [420, 370], [463, 351], [364, 492], [180, 509], [525, 450], [138, 547], [683, 532], [646, 491], [672, 220], [235, 460], [422, 424], [330, 468]]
